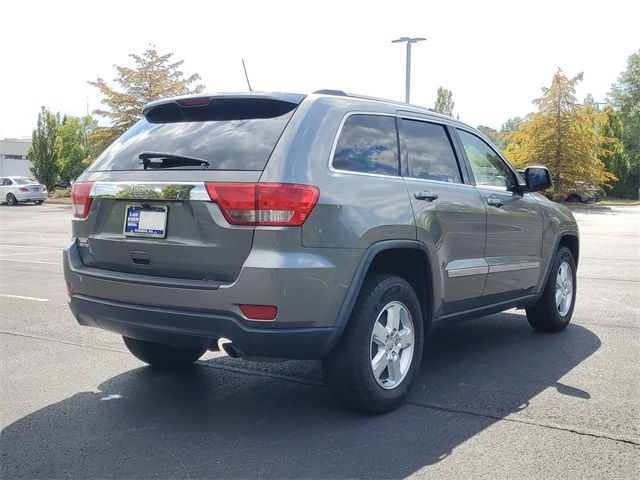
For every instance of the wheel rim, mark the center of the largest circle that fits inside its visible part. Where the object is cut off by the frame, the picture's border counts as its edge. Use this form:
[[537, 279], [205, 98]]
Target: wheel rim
[[392, 344], [11, 199], [564, 288]]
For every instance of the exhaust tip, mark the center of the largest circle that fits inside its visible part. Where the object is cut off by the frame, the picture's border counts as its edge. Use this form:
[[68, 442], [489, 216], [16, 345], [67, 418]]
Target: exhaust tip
[[231, 350]]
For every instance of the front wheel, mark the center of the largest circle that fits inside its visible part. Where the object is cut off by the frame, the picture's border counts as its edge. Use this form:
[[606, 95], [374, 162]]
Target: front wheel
[[553, 311], [11, 200], [372, 367], [162, 356]]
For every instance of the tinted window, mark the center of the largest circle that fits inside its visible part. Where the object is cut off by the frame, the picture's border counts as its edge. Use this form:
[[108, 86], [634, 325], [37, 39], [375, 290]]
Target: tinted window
[[226, 144], [489, 170], [428, 151], [368, 143], [22, 181]]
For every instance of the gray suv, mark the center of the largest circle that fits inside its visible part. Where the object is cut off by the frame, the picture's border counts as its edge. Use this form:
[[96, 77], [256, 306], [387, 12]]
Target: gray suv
[[326, 226]]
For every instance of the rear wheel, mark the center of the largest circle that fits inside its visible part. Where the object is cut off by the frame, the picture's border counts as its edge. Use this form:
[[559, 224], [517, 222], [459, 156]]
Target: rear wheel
[[162, 356], [372, 367], [11, 200], [553, 311]]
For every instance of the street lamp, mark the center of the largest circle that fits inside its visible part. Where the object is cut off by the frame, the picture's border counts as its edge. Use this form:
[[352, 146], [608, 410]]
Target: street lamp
[[409, 41]]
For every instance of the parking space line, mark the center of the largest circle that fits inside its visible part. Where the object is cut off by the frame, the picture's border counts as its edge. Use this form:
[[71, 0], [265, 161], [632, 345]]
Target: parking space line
[[29, 261], [30, 246], [23, 253], [22, 297]]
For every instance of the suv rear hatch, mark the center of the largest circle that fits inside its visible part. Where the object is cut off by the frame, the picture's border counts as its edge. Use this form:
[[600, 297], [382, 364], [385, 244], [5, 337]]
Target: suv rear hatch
[[166, 198]]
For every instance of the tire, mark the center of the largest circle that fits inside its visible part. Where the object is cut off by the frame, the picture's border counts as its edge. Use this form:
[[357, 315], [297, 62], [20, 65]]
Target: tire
[[553, 313], [349, 371], [574, 198], [11, 200], [162, 356]]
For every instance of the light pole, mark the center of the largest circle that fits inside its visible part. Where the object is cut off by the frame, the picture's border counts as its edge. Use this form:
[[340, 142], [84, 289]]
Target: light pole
[[409, 41]]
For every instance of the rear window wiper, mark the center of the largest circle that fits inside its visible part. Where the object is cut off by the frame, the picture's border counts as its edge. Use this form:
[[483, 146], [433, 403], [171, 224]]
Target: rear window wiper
[[169, 160]]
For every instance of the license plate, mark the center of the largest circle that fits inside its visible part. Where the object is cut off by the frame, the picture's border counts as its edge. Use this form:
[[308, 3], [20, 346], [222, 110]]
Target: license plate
[[145, 221]]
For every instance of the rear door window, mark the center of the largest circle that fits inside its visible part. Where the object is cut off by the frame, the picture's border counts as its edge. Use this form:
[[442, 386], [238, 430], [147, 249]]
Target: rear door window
[[368, 144], [428, 151]]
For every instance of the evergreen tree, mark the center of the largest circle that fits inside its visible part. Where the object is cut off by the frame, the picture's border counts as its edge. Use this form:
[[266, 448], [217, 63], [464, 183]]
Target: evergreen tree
[[154, 76], [42, 151], [612, 150], [626, 98], [444, 102], [561, 136]]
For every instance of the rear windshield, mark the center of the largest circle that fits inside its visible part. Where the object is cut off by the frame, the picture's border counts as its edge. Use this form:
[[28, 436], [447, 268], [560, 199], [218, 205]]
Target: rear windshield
[[23, 181], [244, 144]]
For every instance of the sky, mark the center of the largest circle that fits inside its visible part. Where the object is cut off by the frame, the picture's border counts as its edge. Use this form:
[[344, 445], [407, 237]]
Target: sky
[[495, 56]]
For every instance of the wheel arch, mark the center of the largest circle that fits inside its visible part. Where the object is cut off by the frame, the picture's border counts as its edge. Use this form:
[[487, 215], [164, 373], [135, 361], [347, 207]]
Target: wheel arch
[[409, 259], [569, 239]]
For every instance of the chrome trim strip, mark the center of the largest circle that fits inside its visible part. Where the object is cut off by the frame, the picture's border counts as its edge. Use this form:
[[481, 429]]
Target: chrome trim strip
[[509, 267], [463, 272], [165, 191], [480, 266]]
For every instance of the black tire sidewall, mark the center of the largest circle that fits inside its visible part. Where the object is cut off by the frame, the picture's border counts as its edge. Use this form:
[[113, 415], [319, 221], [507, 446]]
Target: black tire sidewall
[[563, 255], [545, 315], [358, 387], [10, 202]]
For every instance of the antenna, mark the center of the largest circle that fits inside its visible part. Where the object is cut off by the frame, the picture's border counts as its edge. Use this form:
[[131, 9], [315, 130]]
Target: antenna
[[246, 75]]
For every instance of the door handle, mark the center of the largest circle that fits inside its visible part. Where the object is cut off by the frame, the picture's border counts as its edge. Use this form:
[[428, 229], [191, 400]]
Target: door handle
[[427, 196], [495, 202]]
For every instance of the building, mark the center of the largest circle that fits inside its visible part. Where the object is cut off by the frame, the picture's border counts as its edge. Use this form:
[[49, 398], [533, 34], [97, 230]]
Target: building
[[14, 159]]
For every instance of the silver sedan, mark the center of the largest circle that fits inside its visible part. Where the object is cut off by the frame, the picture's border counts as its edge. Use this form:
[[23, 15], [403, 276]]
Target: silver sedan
[[21, 189]]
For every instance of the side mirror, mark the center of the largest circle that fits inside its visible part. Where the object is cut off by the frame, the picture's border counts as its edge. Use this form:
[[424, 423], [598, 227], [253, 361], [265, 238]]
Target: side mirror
[[538, 179]]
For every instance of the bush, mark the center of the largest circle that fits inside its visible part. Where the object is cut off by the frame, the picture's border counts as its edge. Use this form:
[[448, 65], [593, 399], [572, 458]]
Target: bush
[[62, 192]]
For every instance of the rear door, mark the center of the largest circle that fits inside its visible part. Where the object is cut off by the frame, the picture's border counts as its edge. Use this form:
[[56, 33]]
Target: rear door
[[449, 213], [156, 218], [514, 222]]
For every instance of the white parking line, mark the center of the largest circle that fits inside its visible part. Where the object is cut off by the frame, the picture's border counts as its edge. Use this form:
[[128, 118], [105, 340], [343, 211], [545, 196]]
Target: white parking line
[[28, 261], [22, 297], [30, 246], [23, 253]]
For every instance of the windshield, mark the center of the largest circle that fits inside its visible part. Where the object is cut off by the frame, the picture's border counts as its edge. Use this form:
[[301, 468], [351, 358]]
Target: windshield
[[226, 144], [24, 181]]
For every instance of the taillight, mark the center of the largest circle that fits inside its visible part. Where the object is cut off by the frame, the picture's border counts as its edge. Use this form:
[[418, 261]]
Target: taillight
[[81, 199], [264, 204], [23, 189]]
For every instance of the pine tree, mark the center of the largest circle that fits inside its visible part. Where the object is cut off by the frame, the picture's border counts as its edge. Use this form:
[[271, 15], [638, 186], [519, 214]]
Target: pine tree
[[561, 136], [42, 151], [444, 102], [153, 77]]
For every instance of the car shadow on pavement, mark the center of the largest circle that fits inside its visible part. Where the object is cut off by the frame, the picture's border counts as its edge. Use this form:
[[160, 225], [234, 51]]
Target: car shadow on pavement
[[231, 419]]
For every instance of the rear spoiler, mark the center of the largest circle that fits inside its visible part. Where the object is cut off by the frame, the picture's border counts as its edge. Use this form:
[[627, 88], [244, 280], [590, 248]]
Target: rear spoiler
[[221, 106]]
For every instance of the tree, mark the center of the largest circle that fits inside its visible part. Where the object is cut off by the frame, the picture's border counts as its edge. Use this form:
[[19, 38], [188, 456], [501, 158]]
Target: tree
[[73, 146], [561, 136], [154, 76], [511, 125], [42, 151], [626, 98], [444, 102], [612, 150]]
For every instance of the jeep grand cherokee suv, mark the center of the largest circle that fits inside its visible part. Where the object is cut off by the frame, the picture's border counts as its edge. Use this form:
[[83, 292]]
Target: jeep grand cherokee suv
[[326, 226]]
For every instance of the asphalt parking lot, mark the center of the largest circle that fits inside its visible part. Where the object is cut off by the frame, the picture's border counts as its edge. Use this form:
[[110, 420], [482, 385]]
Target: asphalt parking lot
[[494, 399]]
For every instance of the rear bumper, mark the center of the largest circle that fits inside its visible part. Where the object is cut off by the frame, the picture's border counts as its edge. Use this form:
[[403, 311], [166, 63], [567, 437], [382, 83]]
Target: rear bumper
[[30, 196], [199, 329]]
